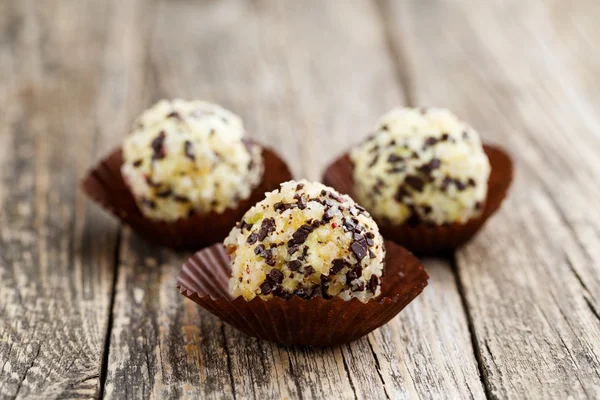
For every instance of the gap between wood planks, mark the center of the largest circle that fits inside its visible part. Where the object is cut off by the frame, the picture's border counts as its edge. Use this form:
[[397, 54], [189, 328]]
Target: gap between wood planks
[[109, 324]]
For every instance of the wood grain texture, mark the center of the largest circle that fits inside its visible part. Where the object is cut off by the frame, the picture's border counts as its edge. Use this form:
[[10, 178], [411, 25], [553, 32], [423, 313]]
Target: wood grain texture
[[309, 93], [56, 253], [531, 278]]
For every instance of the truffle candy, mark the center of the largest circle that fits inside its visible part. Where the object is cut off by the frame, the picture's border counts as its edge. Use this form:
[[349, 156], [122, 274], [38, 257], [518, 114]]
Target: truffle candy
[[187, 157], [421, 166], [306, 239]]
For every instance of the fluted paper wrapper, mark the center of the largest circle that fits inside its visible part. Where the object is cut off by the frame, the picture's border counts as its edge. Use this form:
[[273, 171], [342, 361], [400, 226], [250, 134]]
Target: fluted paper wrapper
[[316, 322], [424, 239], [105, 185]]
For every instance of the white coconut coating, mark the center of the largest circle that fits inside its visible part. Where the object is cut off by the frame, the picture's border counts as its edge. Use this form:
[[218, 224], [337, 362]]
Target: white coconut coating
[[187, 157], [306, 239], [421, 166]]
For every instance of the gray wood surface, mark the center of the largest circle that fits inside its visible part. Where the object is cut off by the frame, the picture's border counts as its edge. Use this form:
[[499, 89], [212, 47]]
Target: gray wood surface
[[56, 253], [88, 309], [531, 280]]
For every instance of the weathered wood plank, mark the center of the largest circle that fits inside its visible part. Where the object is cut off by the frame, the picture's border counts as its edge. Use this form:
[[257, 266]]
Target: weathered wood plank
[[56, 253], [531, 278], [309, 93]]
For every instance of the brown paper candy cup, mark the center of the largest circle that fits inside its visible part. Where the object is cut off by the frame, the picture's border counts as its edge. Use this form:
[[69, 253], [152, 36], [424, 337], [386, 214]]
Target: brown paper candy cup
[[316, 322], [105, 185], [425, 239]]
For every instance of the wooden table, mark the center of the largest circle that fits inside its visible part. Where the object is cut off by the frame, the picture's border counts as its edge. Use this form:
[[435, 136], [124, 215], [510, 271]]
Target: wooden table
[[88, 309]]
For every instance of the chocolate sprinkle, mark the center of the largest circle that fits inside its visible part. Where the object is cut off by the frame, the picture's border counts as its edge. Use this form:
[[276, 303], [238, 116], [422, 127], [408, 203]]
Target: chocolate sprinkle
[[300, 186], [173, 114], [181, 199], [137, 163], [430, 166], [446, 182], [164, 193], [252, 238], [374, 160], [267, 226], [353, 274], [302, 293], [373, 283], [260, 250], [415, 182], [401, 193], [309, 270], [300, 235], [158, 146], [149, 203], [394, 158], [189, 150], [431, 141]]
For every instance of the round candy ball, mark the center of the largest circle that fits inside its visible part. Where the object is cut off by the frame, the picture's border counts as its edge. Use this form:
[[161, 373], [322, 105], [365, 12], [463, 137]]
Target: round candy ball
[[421, 166], [306, 239], [188, 157]]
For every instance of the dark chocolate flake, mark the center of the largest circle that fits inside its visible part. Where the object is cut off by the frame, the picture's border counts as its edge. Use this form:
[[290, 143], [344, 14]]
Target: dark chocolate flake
[[267, 226], [266, 287], [300, 235], [294, 265], [338, 264], [301, 203], [276, 276], [299, 186], [270, 262], [359, 249], [353, 274], [309, 270], [174, 114], [393, 158], [137, 163], [259, 250], [328, 214]]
